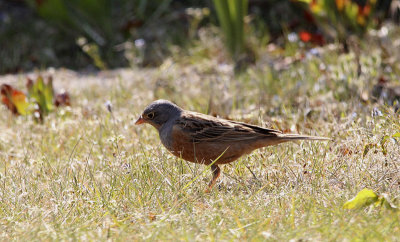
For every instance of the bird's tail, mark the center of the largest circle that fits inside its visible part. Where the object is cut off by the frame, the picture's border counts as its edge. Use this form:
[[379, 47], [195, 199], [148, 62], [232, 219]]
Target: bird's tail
[[292, 137]]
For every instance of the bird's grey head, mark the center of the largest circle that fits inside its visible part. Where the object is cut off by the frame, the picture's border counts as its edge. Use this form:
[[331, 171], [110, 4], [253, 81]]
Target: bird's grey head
[[159, 112]]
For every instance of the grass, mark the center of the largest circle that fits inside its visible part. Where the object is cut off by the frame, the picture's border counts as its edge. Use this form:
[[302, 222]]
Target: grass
[[87, 174]]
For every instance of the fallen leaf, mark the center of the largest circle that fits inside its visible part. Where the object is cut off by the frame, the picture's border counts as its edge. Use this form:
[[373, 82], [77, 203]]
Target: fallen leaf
[[14, 99], [344, 151], [39, 101], [364, 198], [6, 92], [152, 216], [20, 102]]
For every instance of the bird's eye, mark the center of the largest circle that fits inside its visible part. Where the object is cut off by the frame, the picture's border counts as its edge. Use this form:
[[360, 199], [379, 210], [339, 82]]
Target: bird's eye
[[150, 115]]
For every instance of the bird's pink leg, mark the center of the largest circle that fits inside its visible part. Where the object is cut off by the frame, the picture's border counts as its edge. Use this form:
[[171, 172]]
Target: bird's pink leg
[[216, 172]]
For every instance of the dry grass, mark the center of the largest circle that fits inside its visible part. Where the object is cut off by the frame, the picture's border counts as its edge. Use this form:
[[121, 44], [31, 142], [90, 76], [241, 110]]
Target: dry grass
[[87, 174]]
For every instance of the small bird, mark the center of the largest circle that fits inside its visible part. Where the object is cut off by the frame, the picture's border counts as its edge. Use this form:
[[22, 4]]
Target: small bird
[[205, 139]]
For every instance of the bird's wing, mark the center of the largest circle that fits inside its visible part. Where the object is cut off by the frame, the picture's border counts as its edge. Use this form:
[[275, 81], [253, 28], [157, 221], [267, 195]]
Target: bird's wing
[[204, 128]]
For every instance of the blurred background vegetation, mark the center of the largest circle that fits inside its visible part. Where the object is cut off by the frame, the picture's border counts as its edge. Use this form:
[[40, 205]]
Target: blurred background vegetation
[[104, 34]]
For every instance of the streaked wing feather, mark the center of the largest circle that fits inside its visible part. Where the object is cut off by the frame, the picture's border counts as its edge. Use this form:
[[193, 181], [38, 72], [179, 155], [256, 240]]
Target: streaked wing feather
[[204, 128]]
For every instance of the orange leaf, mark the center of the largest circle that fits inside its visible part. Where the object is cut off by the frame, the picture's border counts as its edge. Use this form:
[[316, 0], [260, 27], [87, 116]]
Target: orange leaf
[[361, 20], [18, 96], [14, 99], [340, 4]]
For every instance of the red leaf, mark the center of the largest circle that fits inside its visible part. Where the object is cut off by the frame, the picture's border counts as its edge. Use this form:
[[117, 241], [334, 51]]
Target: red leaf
[[8, 95], [305, 36], [367, 10], [9, 105], [313, 38]]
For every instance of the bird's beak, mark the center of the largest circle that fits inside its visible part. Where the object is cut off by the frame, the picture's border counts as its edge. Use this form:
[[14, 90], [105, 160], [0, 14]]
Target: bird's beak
[[140, 120]]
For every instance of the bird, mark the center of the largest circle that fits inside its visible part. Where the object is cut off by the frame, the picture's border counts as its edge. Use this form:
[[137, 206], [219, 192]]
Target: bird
[[208, 140]]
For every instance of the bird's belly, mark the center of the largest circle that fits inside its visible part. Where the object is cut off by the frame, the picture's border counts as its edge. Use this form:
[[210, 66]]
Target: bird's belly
[[207, 152]]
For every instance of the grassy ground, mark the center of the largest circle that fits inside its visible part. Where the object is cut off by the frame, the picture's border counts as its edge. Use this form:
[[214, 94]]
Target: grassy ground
[[88, 174]]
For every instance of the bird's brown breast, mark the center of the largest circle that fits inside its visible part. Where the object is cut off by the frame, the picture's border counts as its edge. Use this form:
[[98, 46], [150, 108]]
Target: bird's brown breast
[[184, 147]]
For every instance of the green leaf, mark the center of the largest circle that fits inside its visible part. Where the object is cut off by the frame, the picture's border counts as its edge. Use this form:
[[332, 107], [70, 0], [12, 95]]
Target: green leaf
[[230, 15], [367, 147], [48, 92], [42, 93], [396, 135], [383, 144], [364, 198], [54, 10]]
